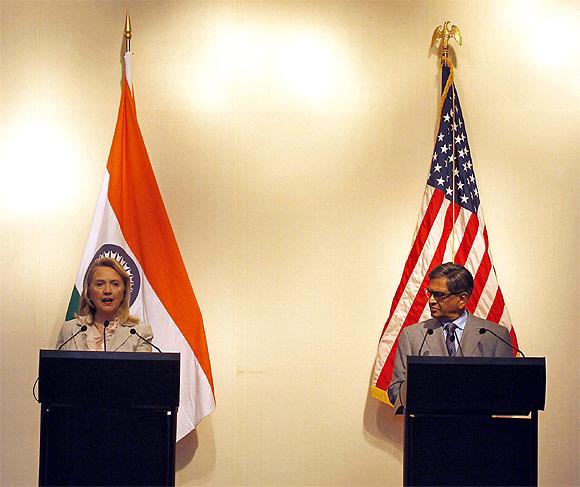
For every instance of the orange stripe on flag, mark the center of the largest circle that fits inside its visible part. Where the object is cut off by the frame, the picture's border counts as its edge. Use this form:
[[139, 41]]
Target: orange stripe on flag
[[137, 203]]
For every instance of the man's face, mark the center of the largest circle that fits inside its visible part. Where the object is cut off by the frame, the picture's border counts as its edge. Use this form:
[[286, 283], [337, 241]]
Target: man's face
[[445, 306]]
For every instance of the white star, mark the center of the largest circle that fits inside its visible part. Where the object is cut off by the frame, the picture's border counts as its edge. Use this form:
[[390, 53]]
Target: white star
[[476, 192], [460, 123], [465, 167], [461, 153], [448, 191], [456, 172], [454, 126], [458, 140], [463, 137], [440, 181], [437, 167], [446, 117], [466, 150], [451, 158], [464, 199], [444, 149], [469, 164], [460, 185], [440, 137], [472, 178]]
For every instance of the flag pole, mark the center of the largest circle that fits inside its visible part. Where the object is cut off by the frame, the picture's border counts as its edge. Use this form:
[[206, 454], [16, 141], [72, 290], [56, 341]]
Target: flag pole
[[444, 33], [127, 32]]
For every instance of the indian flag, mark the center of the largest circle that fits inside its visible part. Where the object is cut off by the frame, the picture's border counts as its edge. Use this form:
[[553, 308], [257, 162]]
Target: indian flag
[[131, 225]]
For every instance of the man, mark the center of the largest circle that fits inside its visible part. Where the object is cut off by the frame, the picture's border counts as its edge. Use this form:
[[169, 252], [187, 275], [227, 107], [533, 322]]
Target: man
[[455, 332]]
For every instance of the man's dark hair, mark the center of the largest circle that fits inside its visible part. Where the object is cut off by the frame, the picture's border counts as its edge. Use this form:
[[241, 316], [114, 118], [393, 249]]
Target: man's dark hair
[[459, 279]]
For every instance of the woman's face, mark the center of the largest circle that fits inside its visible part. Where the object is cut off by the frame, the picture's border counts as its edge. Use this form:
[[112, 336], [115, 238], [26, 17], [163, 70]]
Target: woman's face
[[106, 291]]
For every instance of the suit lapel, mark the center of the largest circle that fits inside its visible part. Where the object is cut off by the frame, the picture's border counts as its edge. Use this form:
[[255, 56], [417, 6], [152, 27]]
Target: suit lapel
[[470, 337], [119, 338], [80, 341], [435, 343], [469, 340]]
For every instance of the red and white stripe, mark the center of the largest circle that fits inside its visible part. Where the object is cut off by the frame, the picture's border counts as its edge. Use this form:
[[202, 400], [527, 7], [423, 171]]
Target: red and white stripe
[[439, 225]]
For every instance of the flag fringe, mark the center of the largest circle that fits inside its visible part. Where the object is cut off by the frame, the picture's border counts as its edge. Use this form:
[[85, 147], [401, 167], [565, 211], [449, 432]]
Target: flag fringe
[[380, 395]]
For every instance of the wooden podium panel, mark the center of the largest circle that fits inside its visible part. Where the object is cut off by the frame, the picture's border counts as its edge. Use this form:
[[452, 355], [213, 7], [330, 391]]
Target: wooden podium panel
[[113, 447], [473, 421], [471, 450], [108, 418]]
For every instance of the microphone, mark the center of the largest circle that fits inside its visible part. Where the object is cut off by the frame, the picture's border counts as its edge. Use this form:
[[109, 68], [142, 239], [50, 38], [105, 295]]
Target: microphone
[[134, 332], [428, 332], [82, 328], [105, 324], [452, 339], [482, 331]]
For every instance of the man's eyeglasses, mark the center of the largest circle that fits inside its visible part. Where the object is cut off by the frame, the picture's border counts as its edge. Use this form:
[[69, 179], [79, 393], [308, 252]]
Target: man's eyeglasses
[[439, 296]]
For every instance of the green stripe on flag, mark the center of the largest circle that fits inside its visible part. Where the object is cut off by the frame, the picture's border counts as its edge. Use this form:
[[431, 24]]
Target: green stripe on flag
[[73, 305]]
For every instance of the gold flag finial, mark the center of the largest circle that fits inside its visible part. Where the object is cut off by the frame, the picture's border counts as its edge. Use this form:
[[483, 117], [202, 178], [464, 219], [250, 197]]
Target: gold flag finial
[[127, 32], [444, 32]]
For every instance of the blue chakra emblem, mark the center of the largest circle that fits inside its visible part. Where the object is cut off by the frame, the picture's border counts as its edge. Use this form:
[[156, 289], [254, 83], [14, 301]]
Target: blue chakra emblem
[[118, 253]]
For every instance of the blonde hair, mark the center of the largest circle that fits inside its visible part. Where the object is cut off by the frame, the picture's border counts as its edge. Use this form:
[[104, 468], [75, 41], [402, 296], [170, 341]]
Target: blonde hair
[[86, 305]]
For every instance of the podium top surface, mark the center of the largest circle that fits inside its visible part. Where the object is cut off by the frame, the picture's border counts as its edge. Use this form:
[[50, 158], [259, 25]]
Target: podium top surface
[[125, 356], [477, 361], [475, 385], [108, 379]]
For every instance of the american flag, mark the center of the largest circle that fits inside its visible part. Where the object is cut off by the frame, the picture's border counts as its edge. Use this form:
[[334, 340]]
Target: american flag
[[450, 228]]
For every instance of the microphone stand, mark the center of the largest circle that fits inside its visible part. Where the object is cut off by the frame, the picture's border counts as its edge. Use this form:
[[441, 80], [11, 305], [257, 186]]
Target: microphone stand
[[454, 338], [105, 324], [485, 330]]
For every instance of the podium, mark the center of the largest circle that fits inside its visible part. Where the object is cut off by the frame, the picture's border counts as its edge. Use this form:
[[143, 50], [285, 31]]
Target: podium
[[472, 420], [108, 418]]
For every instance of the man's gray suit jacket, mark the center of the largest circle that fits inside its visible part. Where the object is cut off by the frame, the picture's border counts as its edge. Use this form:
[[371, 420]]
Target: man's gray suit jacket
[[472, 344]]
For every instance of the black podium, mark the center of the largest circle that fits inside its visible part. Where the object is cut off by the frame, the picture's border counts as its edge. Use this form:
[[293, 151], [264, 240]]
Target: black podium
[[108, 418], [473, 420]]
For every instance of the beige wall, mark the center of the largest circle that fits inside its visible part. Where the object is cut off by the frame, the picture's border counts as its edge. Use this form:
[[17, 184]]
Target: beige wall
[[291, 142]]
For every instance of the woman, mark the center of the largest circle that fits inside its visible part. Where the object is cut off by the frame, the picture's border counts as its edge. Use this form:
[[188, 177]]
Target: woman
[[105, 298]]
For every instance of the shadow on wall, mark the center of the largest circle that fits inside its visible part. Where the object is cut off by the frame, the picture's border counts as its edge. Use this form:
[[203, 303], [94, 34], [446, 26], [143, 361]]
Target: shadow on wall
[[205, 458], [185, 450], [382, 428]]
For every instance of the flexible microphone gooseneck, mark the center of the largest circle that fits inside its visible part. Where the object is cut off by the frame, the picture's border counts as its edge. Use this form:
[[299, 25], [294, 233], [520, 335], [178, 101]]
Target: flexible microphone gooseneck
[[428, 332], [105, 324], [81, 329], [452, 339], [134, 332], [482, 331]]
